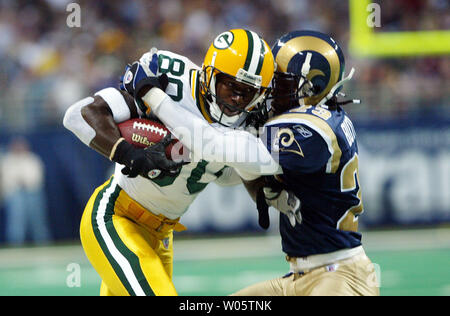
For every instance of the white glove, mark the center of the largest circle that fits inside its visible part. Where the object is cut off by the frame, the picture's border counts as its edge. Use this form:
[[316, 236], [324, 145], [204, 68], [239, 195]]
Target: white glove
[[285, 202]]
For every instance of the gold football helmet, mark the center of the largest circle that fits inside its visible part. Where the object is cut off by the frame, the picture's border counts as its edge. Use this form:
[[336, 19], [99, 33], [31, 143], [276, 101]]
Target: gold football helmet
[[310, 70], [244, 56]]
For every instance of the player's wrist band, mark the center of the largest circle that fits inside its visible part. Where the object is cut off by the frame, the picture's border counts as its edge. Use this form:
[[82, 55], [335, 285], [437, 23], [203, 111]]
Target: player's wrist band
[[114, 149]]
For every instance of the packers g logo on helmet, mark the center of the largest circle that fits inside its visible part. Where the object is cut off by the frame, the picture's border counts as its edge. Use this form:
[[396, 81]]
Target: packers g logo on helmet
[[244, 56], [224, 40], [315, 61]]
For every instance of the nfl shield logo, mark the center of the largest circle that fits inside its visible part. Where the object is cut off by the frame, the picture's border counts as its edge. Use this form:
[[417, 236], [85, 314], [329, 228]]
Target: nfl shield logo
[[128, 77], [165, 242], [332, 267], [152, 174]]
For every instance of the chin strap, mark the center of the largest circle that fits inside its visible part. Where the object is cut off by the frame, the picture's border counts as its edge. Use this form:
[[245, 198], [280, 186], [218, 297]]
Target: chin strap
[[341, 94], [305, 70], [304, 80]]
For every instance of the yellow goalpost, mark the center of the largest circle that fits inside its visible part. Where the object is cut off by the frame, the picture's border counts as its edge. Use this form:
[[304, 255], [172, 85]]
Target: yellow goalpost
[[365, 42]]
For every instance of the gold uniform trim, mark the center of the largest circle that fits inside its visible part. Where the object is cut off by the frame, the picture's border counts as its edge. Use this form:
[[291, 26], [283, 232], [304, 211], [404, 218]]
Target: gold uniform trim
[[193, 79], [324, 130], [349, 182]]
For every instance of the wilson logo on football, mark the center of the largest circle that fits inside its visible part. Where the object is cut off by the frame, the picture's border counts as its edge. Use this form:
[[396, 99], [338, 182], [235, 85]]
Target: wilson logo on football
[[141, 139]]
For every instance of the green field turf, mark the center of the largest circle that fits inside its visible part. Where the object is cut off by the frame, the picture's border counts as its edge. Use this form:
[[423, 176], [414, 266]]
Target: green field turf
[[410, 263]]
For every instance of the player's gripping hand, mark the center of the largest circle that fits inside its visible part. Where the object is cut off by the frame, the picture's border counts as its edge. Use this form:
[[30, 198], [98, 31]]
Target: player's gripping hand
[[138, 79], [273, 194], [285, 202], [141, 161]]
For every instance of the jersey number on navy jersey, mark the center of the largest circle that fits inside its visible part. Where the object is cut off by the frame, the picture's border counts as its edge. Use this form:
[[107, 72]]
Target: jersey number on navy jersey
[[349, 182]]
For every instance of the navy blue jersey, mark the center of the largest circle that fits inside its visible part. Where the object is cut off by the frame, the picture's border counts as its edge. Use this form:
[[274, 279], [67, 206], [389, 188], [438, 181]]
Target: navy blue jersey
[[318, 153]]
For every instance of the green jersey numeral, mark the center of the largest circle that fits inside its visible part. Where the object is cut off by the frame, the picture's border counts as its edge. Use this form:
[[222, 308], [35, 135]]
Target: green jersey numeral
[[175, 67]]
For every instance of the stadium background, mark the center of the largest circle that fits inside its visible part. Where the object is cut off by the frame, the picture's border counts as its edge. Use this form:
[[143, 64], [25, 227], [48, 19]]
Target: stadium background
[[402, 125]]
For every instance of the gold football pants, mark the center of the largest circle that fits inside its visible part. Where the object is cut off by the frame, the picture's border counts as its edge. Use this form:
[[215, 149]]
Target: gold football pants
[[350, 277], [128, 246]]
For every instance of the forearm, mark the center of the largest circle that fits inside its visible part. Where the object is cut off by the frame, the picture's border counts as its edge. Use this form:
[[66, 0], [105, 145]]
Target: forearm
[[234, 148], [254, 186], [107, 133]]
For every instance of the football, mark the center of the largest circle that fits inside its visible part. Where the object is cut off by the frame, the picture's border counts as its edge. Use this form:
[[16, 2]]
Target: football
[[144, 132]]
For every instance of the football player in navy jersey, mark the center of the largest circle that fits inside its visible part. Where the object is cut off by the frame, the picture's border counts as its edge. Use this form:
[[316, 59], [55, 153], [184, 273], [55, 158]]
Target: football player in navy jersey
[[315, 142]]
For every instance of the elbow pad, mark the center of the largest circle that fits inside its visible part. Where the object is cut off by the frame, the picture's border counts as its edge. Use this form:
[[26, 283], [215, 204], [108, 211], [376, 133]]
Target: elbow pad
[[74, 121], [116, 103]]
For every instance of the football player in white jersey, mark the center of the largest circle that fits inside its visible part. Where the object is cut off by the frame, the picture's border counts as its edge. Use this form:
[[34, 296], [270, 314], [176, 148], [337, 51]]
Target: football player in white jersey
[[127, 226]]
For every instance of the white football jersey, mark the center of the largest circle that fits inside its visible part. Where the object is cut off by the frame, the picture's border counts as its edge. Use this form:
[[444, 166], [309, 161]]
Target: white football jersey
[[172, 195]]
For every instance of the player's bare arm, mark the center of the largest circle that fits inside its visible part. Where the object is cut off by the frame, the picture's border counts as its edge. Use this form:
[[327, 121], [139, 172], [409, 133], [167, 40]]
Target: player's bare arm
[[94, 120], [99, 116], [253, 186]]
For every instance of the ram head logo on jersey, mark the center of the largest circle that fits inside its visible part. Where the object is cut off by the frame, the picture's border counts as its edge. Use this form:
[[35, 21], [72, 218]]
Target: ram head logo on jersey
[[285, 137]]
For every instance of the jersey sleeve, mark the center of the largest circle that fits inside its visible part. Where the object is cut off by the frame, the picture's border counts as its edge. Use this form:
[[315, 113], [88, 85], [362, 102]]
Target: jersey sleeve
[[120, 103], [297, 147], [228, 177], [235, 148]]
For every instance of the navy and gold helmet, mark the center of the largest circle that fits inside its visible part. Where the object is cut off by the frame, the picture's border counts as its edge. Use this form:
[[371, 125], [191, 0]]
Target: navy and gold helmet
[[310, 70]]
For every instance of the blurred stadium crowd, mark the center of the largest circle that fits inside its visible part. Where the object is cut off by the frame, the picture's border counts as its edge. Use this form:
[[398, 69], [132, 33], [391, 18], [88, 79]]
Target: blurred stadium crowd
[[46, 66]]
